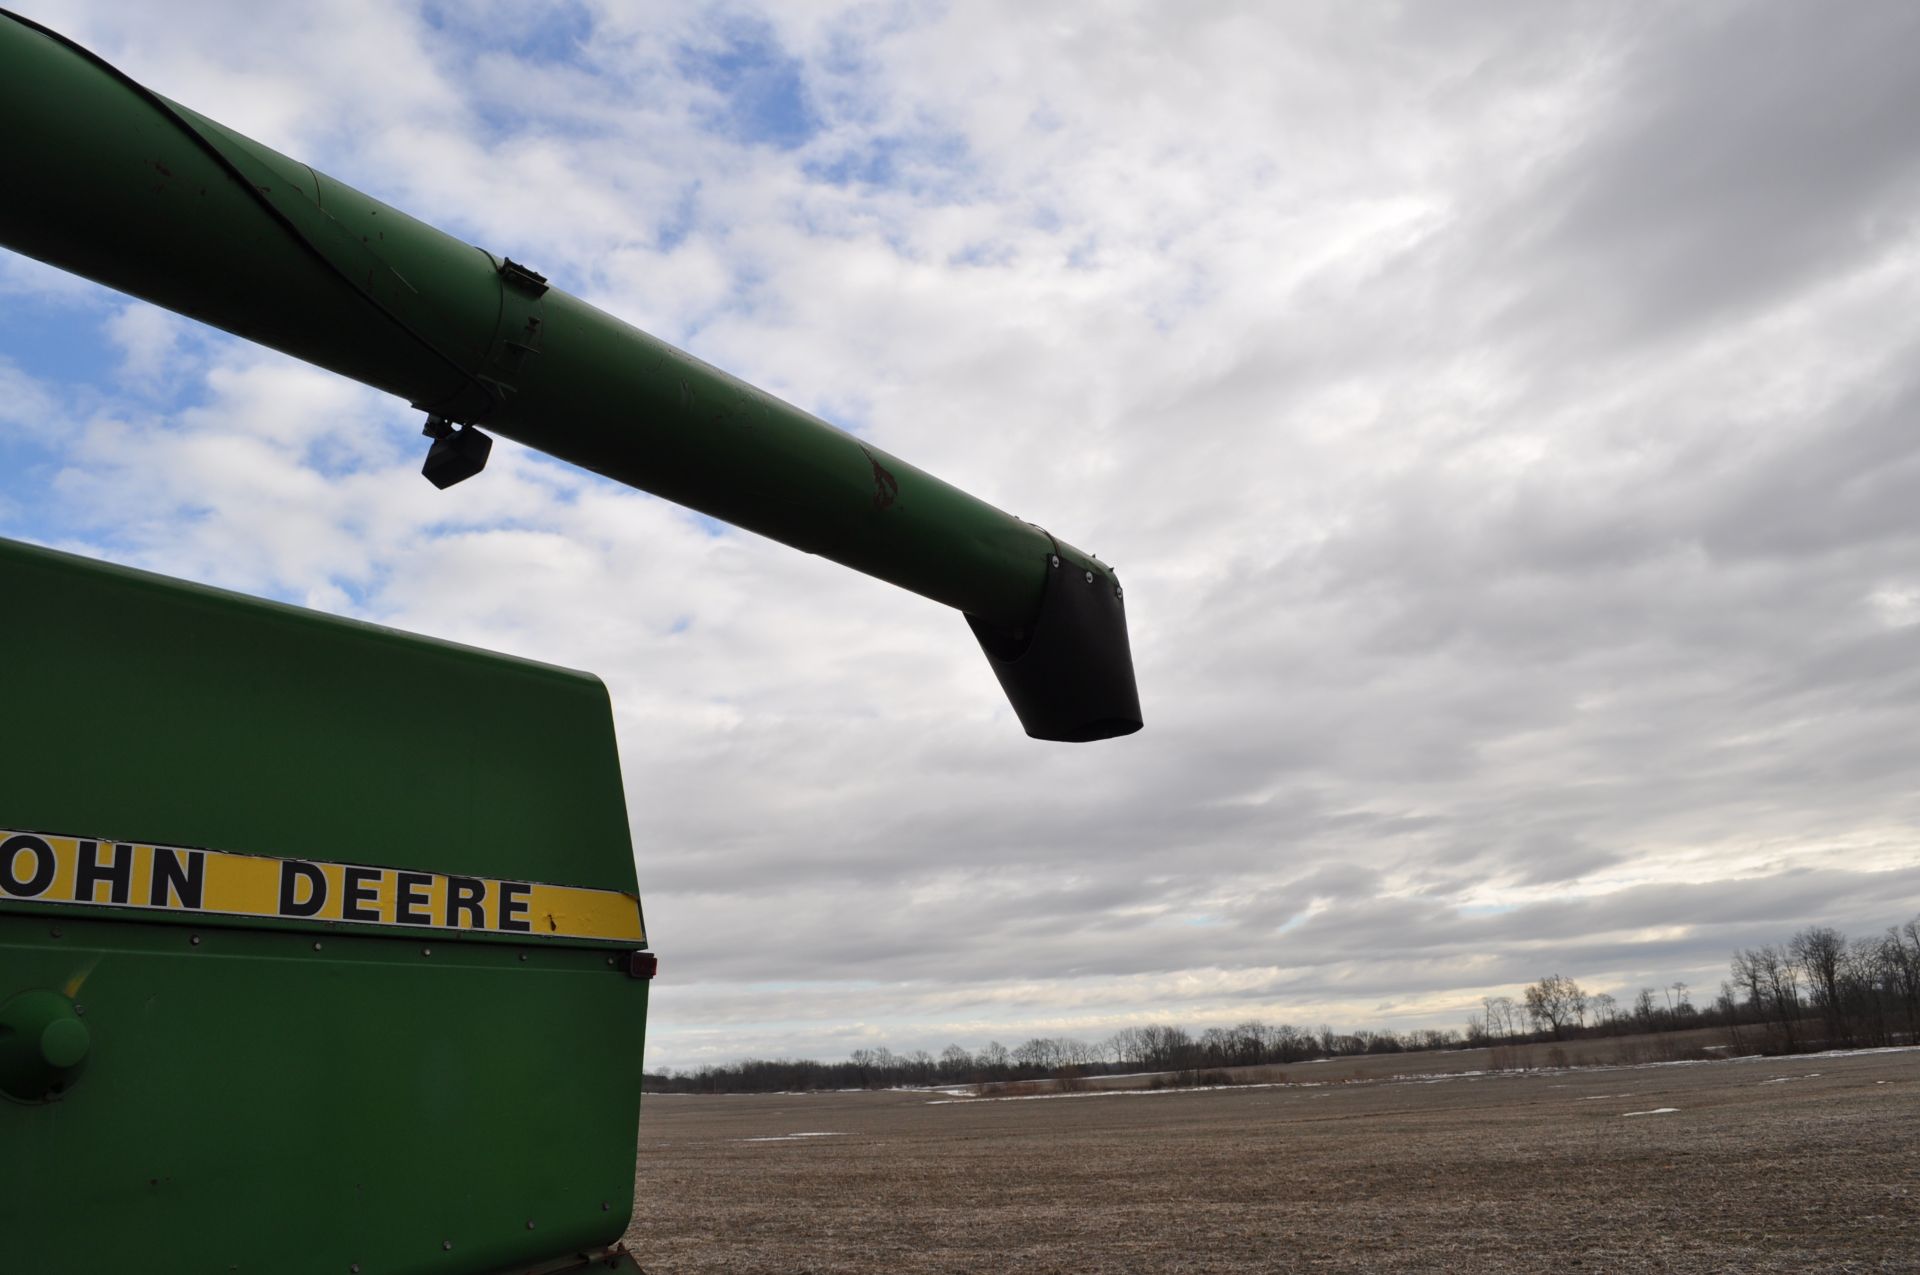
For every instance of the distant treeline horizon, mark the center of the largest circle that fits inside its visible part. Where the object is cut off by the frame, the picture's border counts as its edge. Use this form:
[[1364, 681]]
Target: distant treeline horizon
[[1818, 990]]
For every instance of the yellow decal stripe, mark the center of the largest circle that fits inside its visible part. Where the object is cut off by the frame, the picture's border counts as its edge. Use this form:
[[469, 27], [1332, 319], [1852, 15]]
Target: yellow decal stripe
[[49, 869]]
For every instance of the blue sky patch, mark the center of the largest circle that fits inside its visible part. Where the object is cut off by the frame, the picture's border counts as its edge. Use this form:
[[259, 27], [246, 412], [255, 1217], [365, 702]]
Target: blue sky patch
[[763, 93], [1486, 909], [682, 220], [556, 33], [58, 344], [935, 163]]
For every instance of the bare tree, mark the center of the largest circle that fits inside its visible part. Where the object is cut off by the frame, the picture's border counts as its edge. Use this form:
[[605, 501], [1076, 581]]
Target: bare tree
[[1820, 952], [1866, 981], [1773, 986], [1749, 982], [1902, 955], [955, 1063], [1291, 1043], [1168, 1048], [1127, 1047], [1556, 1003], [1251, 1042], [1727, 1003], [1502, 1015]]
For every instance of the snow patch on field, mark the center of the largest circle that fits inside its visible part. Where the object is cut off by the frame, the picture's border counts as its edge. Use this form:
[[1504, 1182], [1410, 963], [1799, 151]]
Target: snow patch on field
[[1861, 1053], [1657, 1111], [1113, 1093], [793, 1137]]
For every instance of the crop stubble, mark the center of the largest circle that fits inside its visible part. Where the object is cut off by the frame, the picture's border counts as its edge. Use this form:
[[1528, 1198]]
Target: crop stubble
[[1767, 1165]]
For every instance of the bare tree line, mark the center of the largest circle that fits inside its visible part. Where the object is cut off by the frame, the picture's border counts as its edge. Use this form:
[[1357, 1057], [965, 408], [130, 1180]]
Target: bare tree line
[[1156, 1047], [1819, 990], [1824, 990]]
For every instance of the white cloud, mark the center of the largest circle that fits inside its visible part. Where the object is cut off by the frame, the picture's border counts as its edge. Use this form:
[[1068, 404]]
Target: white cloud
[[149, 339], [1545, 573], [26, 406]]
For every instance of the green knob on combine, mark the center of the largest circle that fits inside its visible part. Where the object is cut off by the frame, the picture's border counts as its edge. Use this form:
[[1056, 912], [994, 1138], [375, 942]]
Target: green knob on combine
[[43, 1046], [64, 1043]]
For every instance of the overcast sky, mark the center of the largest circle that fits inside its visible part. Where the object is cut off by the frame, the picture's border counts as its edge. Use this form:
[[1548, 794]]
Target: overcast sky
[[1505, 418]]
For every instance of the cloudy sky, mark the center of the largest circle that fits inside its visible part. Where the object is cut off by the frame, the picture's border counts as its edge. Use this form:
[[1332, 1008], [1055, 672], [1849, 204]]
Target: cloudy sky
[[1505, 417]]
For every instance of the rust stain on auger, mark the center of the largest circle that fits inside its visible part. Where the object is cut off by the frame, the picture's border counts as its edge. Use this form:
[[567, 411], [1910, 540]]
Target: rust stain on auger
[[886, 488]]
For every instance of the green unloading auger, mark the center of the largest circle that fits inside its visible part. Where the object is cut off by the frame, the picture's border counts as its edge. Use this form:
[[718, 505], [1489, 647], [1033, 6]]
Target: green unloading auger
[[321, 946], [107, 179]]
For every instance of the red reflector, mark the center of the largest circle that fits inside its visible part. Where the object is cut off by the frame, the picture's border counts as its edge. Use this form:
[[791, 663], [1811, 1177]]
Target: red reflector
[[642, 965]]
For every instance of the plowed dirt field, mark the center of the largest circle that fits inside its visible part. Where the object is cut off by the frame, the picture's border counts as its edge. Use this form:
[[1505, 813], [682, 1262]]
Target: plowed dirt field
[[1797, 1164]]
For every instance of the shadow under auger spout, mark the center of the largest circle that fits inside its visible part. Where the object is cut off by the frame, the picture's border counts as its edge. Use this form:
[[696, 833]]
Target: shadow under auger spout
[[109, 180]]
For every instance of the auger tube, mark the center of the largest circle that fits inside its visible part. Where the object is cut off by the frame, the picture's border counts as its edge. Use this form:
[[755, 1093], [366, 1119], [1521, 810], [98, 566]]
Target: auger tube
[[109, 180]]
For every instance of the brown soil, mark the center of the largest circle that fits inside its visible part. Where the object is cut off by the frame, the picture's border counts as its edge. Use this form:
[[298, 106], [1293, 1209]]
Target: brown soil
[[1791, 1164]]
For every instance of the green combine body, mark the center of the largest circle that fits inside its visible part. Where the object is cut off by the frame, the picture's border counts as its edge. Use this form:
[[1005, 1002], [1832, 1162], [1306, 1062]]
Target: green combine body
[[269, 1093], [320, 944]]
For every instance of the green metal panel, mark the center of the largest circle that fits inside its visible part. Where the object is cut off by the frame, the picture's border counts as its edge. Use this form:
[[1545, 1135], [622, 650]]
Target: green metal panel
[[293, 1097], [142, 707], [252, 1105]]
